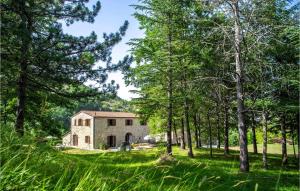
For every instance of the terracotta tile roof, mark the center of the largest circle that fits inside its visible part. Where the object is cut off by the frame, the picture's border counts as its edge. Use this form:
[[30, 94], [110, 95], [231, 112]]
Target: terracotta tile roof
[[110, 114]]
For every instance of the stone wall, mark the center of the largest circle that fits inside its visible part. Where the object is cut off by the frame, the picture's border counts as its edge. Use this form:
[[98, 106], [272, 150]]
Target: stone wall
[[102, 131], [82, 131]]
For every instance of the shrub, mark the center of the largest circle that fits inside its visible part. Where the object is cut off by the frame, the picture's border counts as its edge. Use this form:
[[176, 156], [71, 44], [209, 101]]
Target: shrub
[[233, 138], [103, 146]]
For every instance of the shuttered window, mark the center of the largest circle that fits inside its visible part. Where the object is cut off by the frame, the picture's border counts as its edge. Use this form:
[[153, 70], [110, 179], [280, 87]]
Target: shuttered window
[[87, 139], [111, 122], [87, 122], [80, 122], [128, 122]]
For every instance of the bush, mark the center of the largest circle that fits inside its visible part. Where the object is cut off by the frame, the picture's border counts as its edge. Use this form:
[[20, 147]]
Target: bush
[[233, 138], [271, 136], [103, 146]]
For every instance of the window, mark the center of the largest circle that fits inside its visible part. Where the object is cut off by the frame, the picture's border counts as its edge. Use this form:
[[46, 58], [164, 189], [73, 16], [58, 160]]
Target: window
[[128, 122], [111, 122], [79, 122], [74, 122], [87, 139], [87, 122]]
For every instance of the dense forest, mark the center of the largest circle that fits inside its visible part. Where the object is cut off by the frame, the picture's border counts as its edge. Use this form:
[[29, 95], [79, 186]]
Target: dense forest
[[223, 72]]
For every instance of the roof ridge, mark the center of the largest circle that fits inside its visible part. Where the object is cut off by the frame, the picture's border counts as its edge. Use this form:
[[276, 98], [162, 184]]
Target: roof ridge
[[106, 111], [109, 113]]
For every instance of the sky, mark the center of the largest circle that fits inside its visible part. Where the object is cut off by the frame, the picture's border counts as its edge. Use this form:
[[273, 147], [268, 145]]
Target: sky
[[112, 15]]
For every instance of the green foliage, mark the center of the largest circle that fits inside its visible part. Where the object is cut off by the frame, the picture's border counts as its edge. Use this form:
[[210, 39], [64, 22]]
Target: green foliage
[[271, 136], [156, 124], [183, 69], [103, 146], [49, 65], [234, 138], [194, 40]]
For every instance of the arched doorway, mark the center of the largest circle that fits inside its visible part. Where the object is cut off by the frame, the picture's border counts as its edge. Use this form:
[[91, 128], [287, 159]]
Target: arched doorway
[[128, 138]]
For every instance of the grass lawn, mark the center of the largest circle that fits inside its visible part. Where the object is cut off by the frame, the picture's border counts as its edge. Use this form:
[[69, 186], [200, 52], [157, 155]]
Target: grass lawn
[[139, 170], [272, 148]]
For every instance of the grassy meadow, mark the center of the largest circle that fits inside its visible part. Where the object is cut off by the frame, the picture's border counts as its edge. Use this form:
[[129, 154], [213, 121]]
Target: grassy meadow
[[39, 167], [272, 148]]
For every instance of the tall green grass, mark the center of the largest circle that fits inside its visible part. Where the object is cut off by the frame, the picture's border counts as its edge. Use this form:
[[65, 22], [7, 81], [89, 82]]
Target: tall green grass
[[30, 165]]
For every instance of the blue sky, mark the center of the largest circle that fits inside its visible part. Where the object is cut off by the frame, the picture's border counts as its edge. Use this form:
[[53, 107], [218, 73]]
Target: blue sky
[[112, 15]]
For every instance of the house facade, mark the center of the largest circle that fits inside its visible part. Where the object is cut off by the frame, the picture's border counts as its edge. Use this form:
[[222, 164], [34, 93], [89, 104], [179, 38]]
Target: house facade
[[94, 129]]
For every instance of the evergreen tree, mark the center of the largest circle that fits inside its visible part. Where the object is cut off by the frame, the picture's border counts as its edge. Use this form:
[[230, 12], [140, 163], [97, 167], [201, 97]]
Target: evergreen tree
[[44, 61]]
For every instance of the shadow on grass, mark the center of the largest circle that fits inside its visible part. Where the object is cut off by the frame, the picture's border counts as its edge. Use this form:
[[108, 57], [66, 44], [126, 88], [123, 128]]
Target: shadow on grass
[[114, 157], [208, 173]]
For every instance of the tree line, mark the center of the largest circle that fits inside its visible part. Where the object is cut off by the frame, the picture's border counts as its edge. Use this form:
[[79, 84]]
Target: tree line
[[215, 66]]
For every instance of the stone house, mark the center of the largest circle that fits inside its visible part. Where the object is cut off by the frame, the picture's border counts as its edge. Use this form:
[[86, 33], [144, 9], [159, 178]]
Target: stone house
[[93, 129]]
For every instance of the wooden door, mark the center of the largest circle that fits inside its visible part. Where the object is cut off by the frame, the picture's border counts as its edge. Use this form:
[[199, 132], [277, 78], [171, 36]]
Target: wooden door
[[111, 141]]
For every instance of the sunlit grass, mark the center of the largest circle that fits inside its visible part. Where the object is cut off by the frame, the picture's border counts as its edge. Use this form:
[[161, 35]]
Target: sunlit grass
[[272, 148], [39, 167], [81, 151]]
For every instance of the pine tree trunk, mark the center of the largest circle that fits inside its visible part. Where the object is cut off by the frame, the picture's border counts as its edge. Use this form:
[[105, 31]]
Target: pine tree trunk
[[226, 128], [22, 82], [197, 139], [188, 131], [182, 142], [254, 134], [175, 132], [26, 25], [199, 130], [170, 93], [5, 109], [283, 133], [298, 136], [196, 132], [209, 134], [218, 127], [244, 162], [169, 127], [218, 131], [293, 140], [265, 139], [187, 121]]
